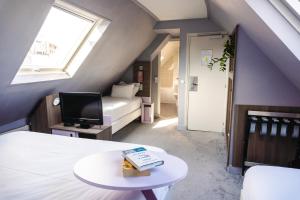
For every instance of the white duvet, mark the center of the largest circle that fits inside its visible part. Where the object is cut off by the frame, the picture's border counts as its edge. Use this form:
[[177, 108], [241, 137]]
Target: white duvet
[[271, 183], [116, 108], [40, 166]]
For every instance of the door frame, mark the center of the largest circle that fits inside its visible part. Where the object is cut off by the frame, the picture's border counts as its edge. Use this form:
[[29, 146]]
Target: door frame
[[159, 66], [189, 36], [231, 77]]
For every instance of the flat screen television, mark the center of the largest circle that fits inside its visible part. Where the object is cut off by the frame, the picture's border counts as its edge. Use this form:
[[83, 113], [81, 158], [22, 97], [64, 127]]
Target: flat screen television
[[82, 108]]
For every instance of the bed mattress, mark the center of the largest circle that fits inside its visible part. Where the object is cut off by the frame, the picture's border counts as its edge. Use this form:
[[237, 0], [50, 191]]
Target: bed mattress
[[40, 166], [271, 183], [115, 108]]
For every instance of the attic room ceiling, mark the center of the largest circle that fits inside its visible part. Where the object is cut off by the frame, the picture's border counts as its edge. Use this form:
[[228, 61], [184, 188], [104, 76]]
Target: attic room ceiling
[[174, 9]]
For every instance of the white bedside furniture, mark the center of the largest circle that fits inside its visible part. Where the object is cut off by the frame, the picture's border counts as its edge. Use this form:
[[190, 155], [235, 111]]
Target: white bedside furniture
[[104, 170], [95, 132], [147, 113]]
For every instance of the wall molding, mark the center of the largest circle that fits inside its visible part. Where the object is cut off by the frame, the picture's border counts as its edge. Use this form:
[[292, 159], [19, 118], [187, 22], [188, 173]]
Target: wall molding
[[20, 124]]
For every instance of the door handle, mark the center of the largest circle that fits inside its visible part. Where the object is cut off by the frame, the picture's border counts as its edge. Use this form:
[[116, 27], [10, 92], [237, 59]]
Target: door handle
[[193, 83]]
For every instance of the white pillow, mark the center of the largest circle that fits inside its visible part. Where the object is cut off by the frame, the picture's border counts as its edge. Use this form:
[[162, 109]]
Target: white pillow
[[122, 83], [122, 91], [136, 88]]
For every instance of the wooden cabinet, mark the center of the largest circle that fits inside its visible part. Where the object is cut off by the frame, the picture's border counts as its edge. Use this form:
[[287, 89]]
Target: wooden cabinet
[[46, 118], [95, 132], [45, 115], [142, 74], [275, 150]]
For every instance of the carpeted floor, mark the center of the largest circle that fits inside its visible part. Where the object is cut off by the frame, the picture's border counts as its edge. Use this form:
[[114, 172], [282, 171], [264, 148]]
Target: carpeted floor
[[168, 110], [204, 152]]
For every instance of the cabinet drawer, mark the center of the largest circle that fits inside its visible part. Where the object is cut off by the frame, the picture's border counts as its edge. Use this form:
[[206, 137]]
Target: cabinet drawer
[[64, 133]]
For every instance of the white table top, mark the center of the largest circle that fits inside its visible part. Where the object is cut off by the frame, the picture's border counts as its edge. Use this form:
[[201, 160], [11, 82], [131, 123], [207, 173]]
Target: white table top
[[105, 170]]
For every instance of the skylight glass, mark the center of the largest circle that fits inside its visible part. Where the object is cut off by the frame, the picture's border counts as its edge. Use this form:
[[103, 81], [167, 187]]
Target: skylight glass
[[65, 39], [58, 39]]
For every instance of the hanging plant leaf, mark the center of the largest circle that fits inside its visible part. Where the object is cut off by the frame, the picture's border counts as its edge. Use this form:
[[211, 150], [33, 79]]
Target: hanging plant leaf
[[228, 52]]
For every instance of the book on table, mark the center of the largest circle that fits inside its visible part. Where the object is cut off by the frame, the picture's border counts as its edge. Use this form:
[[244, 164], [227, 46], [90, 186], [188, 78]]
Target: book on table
[[129, 170], [142, 159]]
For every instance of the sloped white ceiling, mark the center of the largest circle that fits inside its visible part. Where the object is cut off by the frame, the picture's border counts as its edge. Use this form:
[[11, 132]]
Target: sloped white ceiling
[[229, 13], [175, 9]]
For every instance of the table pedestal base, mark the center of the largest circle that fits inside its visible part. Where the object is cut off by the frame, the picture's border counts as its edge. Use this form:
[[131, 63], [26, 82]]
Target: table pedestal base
[[149, 194]]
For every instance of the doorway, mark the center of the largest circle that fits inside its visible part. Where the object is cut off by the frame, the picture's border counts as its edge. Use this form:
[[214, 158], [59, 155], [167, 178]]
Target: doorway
[[168, 79], [207, 90]]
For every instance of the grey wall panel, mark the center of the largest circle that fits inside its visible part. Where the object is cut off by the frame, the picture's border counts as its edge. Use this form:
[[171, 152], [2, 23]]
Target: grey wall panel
[[129, 33], [148, 54], [13, 125], [154, 48], [155, 95], [257, 79]]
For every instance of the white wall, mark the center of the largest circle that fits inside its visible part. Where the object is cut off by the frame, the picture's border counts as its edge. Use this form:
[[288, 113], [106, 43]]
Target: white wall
[[167, 93]]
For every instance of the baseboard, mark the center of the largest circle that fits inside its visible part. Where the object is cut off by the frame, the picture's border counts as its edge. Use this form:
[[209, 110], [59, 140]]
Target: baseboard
[[181, 128], [19, 125], [23, 128], [234, 170]]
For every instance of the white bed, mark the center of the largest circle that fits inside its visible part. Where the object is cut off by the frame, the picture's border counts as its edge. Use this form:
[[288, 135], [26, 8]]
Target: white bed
[[271, 183], [118, 112], [40, 166]]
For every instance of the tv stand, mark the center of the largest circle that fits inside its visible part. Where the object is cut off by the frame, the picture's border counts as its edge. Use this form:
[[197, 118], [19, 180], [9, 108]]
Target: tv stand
[[93, 132]]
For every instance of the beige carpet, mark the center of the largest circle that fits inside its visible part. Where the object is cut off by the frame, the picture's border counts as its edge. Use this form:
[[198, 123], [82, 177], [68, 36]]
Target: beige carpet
[[204, 153]]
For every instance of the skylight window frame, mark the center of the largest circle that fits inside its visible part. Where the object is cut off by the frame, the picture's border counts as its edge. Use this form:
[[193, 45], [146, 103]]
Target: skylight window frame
[[291, 8], [287, 12], [100, 24]]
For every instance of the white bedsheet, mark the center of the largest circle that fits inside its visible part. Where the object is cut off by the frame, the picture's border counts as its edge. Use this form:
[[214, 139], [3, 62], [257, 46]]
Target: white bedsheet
[[40, 166], [271, 183], [119, 107]]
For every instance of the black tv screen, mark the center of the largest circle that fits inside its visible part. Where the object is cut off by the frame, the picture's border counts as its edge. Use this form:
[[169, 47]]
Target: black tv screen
[[81, 108]]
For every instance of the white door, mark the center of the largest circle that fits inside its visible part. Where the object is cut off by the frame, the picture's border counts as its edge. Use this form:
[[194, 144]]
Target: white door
[[207, 88]]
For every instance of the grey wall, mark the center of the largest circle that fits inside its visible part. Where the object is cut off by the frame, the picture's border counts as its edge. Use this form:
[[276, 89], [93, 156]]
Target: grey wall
[[257, 79], [128, 75], [129, 33], [229, 13], [13, 125], [154, 48], [186, 27], [155, 95], [148, 54]]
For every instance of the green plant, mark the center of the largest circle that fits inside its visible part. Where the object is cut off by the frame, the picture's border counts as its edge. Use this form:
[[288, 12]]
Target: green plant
[[229, 49]]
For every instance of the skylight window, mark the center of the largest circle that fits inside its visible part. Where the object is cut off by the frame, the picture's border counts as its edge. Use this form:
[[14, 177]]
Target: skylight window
[[65, 39]]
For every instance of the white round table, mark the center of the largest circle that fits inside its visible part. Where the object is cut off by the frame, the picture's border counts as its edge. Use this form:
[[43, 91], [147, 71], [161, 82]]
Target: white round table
[[104, 170]]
